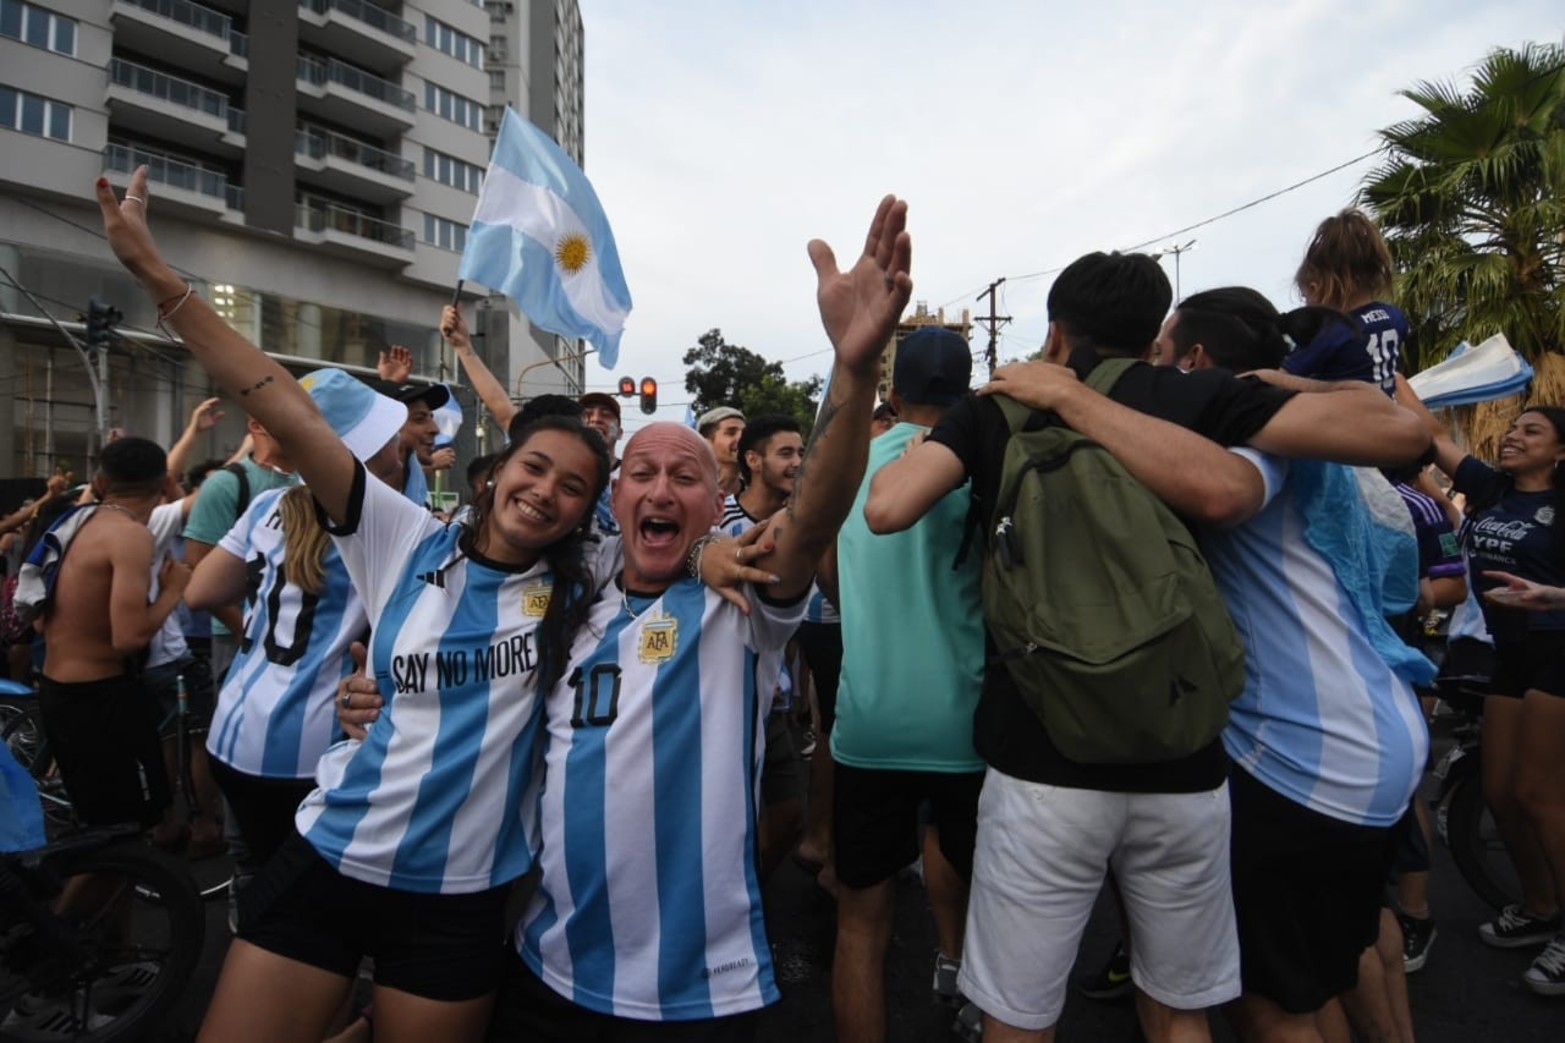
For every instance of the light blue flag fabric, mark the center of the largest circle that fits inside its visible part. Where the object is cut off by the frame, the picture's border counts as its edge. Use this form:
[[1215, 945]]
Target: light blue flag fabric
[[539, 235], [21, 816], [448, 418]]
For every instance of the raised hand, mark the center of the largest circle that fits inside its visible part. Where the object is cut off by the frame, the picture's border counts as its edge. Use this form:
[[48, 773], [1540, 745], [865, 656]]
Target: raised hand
[[206, 415], [125, 227], [395, 365], [454, 328], [442, 459], [860, 307]]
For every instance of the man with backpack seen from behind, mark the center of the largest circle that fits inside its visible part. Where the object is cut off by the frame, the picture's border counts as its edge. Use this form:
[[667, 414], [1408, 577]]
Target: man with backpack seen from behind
[[1145, 789], [224, 496]]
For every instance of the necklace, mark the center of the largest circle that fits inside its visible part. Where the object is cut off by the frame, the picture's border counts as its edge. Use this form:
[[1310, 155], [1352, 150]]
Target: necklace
[[624, 597], [117, 507]]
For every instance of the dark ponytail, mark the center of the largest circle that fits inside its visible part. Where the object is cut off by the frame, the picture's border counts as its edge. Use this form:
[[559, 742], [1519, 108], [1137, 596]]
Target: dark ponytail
[[1241, 330]]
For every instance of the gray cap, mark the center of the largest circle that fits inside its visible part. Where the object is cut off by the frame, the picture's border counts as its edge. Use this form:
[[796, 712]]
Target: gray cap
[[713, 417]]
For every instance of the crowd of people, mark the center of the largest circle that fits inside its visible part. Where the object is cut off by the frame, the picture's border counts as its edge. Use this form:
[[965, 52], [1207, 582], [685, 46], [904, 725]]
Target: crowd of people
[[535, 761]]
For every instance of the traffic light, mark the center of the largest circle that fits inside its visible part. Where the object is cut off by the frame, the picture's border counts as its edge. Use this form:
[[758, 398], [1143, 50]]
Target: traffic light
[[627, 387], [649, 395], [102, 317]]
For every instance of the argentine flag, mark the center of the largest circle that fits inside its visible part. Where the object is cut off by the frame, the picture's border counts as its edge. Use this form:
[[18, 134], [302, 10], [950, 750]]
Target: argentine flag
[[540, 237]]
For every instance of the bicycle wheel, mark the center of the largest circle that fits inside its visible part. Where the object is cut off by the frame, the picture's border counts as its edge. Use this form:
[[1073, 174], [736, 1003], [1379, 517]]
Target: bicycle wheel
[[107, 949], [22, 731], [1476, 847]]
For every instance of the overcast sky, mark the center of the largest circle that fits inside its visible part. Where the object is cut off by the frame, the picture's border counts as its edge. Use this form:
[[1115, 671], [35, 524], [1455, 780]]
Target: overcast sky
[[722, 135]]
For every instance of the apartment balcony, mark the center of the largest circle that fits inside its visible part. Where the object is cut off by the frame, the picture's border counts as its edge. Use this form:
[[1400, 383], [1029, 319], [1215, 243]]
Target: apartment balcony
[[349, 233], [343, 94], [350, 167], [147, 102], [180, 186], [358, 30], [184, 34]]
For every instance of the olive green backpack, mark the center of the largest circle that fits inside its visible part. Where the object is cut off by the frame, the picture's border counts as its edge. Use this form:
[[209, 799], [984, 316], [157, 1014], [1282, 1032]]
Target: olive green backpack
[[1100, 603]]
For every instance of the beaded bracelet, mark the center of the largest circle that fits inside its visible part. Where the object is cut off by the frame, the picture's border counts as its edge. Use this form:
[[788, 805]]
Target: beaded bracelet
[[697, 552]]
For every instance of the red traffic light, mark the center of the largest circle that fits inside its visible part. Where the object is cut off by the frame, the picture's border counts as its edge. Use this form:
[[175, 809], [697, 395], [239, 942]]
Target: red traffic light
[[627, 387], [649, 395]]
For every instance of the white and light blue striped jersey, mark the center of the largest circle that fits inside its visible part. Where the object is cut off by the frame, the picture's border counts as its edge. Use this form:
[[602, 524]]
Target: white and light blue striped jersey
[[649, 904], [431, 801], [168, 645], [275, 713], [1323, 720]]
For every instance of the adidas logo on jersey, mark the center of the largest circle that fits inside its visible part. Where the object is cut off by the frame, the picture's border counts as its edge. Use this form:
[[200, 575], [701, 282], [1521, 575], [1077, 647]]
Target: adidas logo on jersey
[[437, 579]]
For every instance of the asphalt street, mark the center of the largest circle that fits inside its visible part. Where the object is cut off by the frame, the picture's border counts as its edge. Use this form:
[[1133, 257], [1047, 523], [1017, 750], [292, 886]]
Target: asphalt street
[[1467, 992]]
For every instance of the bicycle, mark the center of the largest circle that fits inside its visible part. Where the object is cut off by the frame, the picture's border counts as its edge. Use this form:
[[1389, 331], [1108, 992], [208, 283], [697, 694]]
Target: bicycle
[[22, 732], [99, 935], [1462, 817]]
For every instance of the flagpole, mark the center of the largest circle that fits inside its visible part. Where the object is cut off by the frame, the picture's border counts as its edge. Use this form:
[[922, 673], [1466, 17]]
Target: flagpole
[[456, 298]]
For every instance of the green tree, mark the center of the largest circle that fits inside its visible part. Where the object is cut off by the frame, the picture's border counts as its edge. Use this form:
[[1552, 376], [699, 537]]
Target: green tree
[[1471, 198], [723, 374]]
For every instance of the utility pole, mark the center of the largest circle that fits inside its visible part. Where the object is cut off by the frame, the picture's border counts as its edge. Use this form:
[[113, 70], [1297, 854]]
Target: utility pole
[[1177, 251], [993, 322]]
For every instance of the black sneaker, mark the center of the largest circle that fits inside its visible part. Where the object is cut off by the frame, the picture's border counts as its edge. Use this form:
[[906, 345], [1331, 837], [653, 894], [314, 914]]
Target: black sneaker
[[1112, 982], [1418, 937], [1516, 928], [1546, 976]]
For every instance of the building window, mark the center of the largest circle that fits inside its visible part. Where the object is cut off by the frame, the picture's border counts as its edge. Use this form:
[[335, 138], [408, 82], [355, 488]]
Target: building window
[[33, 25], [458, 45], [32, 114], [448, 235], [497, 79], [448, 170], [453, 107]]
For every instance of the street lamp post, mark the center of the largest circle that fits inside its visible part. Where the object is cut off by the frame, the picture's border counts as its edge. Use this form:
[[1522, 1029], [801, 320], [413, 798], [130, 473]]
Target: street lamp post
[[549, 362]]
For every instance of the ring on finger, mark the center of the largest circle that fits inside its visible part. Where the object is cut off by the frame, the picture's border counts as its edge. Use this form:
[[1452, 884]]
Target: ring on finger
[[134, 199], [347, 700]]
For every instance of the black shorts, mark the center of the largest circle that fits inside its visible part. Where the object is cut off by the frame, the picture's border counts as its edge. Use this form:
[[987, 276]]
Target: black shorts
[[528, 1009], [263, 808], [875, 817], [106, 744], [1412, 848], [782, 772], [162, 683], [441, 947], [822, 647], [1307, 892], [1537, 661]]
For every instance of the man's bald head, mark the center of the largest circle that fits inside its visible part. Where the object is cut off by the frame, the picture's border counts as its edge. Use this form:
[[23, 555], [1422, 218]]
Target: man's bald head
[[665, 435]]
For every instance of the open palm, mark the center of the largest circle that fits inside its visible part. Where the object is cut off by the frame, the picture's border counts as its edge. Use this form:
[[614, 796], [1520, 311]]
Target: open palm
[[860, 307]]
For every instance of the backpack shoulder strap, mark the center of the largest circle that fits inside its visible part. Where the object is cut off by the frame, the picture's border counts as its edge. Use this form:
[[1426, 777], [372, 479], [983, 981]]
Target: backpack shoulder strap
[[1016, 415], [238, 471], [1108, 373]]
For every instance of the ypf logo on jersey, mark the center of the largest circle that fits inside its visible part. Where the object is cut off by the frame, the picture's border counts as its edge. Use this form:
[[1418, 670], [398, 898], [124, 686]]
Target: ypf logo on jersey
[[1544, 516], [535, 599], [659, 640]]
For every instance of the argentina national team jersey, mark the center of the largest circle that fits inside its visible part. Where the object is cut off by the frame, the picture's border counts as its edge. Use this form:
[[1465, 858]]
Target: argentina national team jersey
[[649, 904], [431, 801], [1322, 720], [275, 714]]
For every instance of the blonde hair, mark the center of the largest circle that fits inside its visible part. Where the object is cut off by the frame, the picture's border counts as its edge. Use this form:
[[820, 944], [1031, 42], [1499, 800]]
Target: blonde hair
[[304, 541], [1348, 259]]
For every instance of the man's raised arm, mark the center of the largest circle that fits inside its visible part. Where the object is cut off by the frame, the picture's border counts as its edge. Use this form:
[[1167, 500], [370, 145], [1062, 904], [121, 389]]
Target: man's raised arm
[[859, 309]]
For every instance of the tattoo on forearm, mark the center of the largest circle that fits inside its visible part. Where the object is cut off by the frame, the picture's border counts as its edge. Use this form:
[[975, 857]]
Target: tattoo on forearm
[[829, 410], [258, 385]]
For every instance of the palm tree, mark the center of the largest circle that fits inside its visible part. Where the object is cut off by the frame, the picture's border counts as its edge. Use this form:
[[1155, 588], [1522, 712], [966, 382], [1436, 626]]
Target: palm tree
[[1471, 198]]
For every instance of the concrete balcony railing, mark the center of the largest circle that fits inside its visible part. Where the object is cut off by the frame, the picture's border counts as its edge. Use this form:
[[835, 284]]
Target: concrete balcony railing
[[166, 170], [329, 217]]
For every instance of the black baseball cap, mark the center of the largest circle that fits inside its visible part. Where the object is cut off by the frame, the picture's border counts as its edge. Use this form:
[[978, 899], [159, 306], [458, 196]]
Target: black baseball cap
[[933, 367], [432, 395]]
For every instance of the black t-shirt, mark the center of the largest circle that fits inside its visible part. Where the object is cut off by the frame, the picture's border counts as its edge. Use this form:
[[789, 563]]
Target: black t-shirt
[[1514, 534], [1007, 733]]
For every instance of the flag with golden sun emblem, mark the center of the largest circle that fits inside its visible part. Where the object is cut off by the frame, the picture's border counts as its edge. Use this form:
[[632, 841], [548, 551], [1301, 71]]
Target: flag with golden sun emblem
[[539, 235]]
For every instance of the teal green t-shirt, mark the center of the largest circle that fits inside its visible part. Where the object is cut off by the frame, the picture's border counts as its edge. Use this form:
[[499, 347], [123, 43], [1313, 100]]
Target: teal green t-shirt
[[217, 508], [912, 635]]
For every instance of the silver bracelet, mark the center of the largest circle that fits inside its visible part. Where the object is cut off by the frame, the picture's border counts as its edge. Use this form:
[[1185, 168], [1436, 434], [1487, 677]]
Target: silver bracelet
[[698, 552]]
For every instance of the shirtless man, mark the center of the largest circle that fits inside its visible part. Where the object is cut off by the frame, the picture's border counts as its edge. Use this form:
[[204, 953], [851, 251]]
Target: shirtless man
[[95, 713]]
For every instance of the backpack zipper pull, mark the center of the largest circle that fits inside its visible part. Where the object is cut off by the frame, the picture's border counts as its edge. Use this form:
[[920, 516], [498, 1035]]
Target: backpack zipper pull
[[1006, 545]]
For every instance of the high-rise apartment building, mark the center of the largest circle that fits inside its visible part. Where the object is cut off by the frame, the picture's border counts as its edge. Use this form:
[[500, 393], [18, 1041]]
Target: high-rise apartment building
[[313, 164]]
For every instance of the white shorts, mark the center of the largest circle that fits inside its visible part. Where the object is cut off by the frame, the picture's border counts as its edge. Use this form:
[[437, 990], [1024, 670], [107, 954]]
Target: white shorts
[[1042, 852]]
